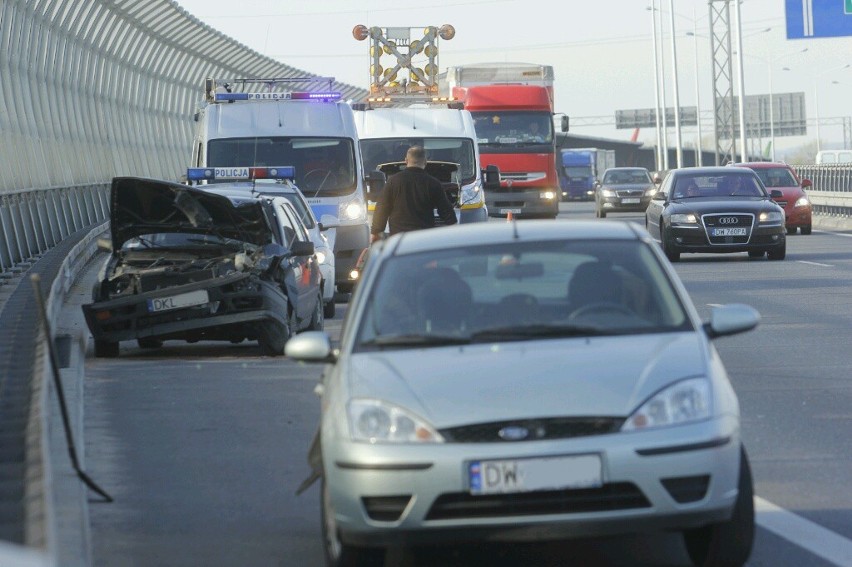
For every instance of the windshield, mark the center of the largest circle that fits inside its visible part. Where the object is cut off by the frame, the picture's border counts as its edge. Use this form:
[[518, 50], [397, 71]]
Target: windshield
[[324, 166], [577, 171], [302, 209], [513, 128], [519, 291], [627, 177], [455, 150], [724, 185], [776, 177]]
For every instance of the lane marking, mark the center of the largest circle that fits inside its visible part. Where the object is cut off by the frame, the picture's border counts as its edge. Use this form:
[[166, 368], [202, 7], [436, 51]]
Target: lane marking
[[714, 305], [804, 533], [815, 264], [843, 234]]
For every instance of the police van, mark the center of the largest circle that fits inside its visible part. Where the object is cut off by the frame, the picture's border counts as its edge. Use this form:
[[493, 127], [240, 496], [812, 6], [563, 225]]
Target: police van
[[311, 130], [388, 126]]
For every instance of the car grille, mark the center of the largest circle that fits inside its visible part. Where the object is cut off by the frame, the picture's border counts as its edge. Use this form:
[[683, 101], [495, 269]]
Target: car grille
[[734, 220], [630, 193], [615, 496], [538, 429], [687, 488]]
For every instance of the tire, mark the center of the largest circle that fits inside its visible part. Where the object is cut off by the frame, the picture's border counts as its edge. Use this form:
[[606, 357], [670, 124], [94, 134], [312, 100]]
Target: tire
[[106, 349], [791, 230], [727, 544], [272, 337], [672, 255], [756, 253], [318, 317], [807, 229], [329, 309], [149, 342], [337, 553], [778, 254]]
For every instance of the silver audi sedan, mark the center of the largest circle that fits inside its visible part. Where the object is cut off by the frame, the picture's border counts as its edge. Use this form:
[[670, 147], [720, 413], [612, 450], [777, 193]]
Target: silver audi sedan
[[528, 381]]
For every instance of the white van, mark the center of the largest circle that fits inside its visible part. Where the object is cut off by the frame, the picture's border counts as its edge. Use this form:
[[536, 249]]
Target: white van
[[834, 156], [447, 134], [312, 131]]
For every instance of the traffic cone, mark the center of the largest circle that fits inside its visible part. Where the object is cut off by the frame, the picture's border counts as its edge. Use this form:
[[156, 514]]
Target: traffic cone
[[510, 216]]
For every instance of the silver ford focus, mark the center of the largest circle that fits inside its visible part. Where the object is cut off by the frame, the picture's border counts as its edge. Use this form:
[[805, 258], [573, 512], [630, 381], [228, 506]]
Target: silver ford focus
[[528, 381]]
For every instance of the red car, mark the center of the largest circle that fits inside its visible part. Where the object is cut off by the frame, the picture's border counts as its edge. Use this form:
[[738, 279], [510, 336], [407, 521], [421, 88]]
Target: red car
[[796, 205]]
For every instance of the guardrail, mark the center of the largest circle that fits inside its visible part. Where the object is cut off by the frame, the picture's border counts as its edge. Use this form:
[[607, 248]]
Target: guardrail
[[831, 193]]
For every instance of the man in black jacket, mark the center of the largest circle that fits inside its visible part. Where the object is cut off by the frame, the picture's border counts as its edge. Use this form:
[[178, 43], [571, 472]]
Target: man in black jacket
[[410, 198]]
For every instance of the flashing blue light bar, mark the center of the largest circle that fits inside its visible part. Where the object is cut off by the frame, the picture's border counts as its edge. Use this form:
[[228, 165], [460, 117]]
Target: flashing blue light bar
[[240, 173], [327, 95]]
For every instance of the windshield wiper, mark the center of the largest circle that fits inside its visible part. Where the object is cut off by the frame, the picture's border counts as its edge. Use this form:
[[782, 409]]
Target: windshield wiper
[[416, 341], [530, 332]]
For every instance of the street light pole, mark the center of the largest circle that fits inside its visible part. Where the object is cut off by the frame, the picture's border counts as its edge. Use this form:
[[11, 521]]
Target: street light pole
[[658, 156], [700, 159], [740, 81], [663, 93], [679, 148]]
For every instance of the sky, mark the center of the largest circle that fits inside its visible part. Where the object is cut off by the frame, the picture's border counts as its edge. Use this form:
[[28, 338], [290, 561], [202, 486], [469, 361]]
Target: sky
[[601, 50]]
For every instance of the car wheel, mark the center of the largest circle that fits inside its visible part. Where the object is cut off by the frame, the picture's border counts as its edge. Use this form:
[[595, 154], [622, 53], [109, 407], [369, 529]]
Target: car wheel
[[329, 309], [727, 543], [149, 342], [806, 229], [273, 336], [318, 317], [756, 253], [672, 255], [337, 553], [791, 230], [105, 349], [779, 253]]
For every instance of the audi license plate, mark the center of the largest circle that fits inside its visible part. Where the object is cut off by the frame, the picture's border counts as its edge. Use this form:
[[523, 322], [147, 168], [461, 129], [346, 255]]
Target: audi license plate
[[630, 201], [527, 475], [507, 211], [729, 232], [189, 299]]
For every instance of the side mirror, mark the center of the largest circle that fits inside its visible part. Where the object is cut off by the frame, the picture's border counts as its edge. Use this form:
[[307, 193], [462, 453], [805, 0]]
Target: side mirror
[[807, 184], [310, 346], [731, 319], [327, 222], [658, 196], [491, 178], [302, 248], [375, 184], [564, 124], [776, 194]]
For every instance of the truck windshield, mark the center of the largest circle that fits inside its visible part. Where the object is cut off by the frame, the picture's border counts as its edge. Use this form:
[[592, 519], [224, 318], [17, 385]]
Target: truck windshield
[[513, 128], [455, 150], [324, 166], [578, 171]]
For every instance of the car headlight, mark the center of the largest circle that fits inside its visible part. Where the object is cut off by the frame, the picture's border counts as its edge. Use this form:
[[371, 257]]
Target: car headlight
[[802, 202], [607, 193], [375, 421], [352, 210], [547, 195], [320, 256], [684, 402], [472, 197], [684, 219], [771, 216]]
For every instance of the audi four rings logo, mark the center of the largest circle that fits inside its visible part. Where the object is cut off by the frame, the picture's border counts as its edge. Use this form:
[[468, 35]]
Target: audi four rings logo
[[728, 220]]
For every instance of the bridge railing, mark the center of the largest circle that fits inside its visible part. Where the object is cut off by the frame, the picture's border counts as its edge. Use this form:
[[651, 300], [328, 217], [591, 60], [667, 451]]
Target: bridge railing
[[831, 193]]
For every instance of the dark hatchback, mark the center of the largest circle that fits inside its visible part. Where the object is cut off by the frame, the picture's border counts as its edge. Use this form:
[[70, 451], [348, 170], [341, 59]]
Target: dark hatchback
[[716, 210], [191, 265]]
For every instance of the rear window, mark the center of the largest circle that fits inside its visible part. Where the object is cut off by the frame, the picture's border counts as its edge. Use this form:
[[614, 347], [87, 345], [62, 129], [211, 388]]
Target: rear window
[[776, 177]]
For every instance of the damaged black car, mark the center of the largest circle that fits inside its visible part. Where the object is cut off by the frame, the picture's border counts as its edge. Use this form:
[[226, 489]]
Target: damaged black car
[[186, 264]]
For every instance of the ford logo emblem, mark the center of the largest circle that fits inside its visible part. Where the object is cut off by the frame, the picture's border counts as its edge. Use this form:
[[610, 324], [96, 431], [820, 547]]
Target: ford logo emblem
[[728, 220], [513, 433]]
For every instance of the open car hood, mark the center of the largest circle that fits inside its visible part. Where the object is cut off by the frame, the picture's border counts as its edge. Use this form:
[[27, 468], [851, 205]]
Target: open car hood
[[441, 170], [150, 206]]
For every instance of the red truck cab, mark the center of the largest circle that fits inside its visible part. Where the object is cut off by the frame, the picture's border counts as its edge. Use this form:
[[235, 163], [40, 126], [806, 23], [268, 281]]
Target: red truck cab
[[514, 130]]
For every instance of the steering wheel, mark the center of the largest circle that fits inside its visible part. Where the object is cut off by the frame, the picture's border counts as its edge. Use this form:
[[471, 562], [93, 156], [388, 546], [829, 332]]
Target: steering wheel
[[316, 178], [602, 307]]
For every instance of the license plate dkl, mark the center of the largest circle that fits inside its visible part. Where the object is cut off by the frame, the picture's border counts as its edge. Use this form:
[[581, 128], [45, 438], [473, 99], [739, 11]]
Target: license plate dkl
[[527, 475], [189, 299], [729, 232], [630, 201], [507, 211]]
